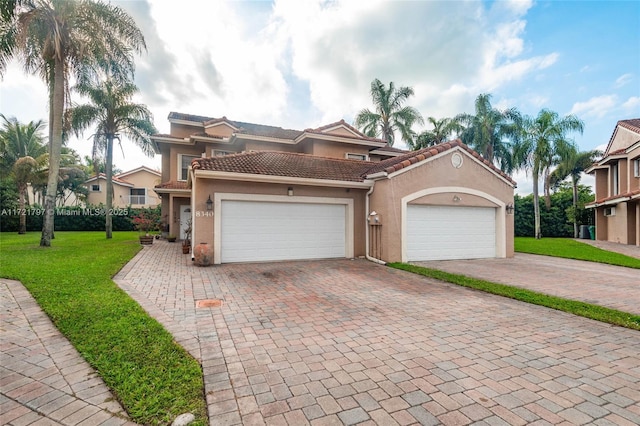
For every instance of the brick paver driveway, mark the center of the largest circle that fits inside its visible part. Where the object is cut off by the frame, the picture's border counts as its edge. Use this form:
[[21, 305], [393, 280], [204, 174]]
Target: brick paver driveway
[[346, 342]]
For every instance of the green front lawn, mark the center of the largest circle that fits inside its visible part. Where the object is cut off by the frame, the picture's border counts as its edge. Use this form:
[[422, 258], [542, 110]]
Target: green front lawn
[[571, 249], [153, 377]]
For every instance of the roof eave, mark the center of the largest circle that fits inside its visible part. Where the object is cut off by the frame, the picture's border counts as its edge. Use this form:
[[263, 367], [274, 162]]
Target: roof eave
[[250, 177]]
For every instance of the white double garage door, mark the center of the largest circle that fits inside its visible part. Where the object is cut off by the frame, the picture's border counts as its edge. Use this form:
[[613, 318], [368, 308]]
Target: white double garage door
[[254, 231]]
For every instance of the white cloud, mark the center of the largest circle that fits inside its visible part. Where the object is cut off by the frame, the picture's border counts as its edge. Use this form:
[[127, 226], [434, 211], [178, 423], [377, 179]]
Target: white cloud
[[598, 106], [632, 106], [623, 80]]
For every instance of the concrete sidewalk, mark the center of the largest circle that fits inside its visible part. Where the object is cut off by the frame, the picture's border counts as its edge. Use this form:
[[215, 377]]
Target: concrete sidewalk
[[43, 379]]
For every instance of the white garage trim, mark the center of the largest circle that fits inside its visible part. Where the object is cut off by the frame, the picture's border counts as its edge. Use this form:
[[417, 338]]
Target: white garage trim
[[501, 237], [220, 197]]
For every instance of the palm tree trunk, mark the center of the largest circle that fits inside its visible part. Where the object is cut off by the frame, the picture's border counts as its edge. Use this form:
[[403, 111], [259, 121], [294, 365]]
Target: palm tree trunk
[[108, 226], [54, 154], [22, 229], [536, 208], [575, 207]]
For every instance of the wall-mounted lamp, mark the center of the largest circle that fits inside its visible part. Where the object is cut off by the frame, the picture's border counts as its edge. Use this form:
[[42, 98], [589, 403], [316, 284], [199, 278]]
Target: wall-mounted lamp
[[374, 218], [456, 199], [209, 204], [290, 191], [510, 208]]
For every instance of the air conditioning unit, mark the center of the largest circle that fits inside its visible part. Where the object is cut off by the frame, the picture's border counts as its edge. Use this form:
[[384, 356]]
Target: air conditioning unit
[[610, 211]]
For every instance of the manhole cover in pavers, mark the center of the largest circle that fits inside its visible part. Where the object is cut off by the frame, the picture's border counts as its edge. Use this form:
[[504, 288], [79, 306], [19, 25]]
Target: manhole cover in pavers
[[209, 303]]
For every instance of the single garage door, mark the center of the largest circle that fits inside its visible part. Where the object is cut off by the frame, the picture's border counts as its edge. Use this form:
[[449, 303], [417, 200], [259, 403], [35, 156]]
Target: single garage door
[[263, 231], [443, 232]]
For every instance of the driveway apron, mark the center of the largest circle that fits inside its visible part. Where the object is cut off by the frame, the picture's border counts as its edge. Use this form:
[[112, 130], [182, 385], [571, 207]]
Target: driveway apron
[[349, 342], [603, 285]]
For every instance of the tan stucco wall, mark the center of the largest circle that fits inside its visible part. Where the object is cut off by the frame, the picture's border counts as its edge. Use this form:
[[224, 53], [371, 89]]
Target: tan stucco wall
[[386, 199], [120, 194], [204, 187], [183, 131], [336, 150], [221, 130], [141, 179]]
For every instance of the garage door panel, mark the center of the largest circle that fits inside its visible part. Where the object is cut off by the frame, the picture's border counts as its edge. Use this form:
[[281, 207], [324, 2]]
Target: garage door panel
[[264, 231], [444, 232]]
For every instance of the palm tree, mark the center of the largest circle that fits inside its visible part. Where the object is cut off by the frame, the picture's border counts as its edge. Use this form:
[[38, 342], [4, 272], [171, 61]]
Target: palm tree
[[544, 145], [492, 132], [23, 171], [573, 165], [19, 140], [58, 38], [442, 131], [390, 114], [113, 113]]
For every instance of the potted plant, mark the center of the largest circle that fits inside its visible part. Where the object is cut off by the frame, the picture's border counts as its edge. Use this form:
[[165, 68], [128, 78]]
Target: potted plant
[[172, 238], [144, 222]]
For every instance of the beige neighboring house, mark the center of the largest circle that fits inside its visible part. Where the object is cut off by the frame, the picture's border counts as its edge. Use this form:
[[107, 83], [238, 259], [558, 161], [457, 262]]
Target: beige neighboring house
[[617, 186], [263, 193], [132, 188]]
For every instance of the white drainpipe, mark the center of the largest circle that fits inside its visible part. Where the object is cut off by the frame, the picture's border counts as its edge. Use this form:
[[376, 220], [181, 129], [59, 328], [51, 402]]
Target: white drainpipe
[[366, 214]]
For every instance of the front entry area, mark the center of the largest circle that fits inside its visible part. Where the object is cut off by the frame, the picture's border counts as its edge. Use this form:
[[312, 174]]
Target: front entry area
[[257, 231]]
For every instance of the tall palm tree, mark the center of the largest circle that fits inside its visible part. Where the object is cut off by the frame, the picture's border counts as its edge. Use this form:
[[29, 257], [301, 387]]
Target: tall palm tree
[[492, 132], [544, 145], [113, 113], [390, 115], [19, 140], [58, 38], [572, 166], [441, 132]]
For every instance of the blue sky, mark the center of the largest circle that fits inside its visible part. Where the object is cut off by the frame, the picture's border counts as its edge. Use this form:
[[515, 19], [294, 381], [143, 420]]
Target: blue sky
[[300, 64]]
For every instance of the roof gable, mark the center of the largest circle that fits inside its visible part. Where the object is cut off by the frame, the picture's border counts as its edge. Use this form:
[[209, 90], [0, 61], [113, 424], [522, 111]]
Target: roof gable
[[625, 134]]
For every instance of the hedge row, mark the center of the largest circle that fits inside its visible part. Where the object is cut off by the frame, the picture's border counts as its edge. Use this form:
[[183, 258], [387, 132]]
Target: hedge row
[[90, 218]]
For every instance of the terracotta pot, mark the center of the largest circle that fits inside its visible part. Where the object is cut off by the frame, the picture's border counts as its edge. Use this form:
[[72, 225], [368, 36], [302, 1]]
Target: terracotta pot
[[203, 254], [186, 249]]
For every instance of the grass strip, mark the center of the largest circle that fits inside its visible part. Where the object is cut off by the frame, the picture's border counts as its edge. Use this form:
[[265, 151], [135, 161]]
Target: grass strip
[[587, 310], [572, 249], [153, 377]]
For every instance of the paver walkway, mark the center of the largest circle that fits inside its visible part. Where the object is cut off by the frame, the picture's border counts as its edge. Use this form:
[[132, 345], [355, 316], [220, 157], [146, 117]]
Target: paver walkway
[[350, 342], [43, 379], [626, 249], [604, 285]]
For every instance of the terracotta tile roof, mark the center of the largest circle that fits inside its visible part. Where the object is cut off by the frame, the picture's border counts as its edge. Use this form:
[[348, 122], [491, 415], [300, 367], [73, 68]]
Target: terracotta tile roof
[[396, 163], [630, 194], [206, 135], [313, 167], [113, 177], [273, 163], [632, 124], [392, 149], [188, 117], [172, 185], [618, 152], [336, 124]]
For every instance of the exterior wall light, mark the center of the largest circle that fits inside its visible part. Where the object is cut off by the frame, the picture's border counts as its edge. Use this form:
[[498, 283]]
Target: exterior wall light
[[456, 199], [510, 208], [209, 204], [290, 191]]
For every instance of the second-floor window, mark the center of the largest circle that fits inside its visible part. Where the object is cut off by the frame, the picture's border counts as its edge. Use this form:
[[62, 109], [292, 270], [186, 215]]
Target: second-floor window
[[95, 187], [352, 156], [615, 181], [636, 167], [185, 162]]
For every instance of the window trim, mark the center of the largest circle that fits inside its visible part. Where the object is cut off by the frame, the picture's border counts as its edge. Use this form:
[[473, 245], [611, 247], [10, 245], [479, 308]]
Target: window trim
[[180, 156], [94, 185], [615, 175], [364, 157], [636, 167]]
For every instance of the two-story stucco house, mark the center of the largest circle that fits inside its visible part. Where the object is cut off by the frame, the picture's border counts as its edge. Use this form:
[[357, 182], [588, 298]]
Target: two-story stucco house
[[617, 186], [263, 193], [133, 188]]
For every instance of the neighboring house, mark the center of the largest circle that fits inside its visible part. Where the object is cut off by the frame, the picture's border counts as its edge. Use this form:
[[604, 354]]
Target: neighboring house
[[617, 176], [132, 188], [262, 193]]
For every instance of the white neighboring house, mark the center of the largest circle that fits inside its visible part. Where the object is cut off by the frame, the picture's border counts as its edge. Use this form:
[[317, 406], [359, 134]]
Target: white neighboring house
[[131, 188]]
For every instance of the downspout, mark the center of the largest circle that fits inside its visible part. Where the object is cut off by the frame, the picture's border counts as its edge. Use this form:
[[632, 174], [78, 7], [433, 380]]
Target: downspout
[[366, 221]]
